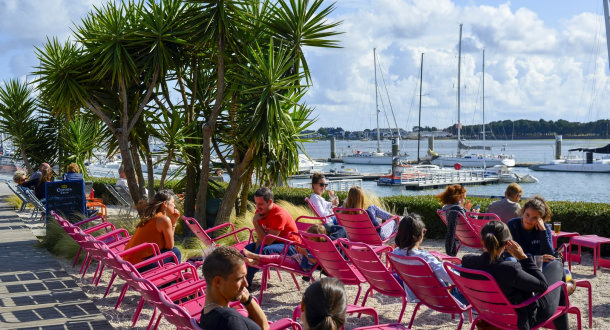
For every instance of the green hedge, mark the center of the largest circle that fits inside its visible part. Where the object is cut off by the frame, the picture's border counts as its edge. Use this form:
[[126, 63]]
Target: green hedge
[[583, 217]]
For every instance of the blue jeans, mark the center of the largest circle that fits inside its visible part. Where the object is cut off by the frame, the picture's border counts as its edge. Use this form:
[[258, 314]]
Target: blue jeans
[[275, 248]]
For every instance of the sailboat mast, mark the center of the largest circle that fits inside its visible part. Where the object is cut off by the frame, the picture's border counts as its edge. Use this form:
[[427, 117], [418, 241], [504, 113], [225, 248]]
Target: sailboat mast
[[607, 22], [376, 99], [483, 106], [459, 124], [421, 75]]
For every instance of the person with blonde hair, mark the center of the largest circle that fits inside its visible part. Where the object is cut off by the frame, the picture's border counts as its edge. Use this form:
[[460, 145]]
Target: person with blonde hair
[[157, 225], [38, 184], [508, 207], [19, 177], [73, 172], [454, 202], [356, 200], [520, 279]]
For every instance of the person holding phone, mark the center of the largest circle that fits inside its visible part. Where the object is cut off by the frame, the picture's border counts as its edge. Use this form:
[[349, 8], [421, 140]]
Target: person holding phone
[[454, 202]]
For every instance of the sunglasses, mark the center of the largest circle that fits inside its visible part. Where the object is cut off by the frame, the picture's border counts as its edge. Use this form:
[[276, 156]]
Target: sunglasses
[[323, 184]]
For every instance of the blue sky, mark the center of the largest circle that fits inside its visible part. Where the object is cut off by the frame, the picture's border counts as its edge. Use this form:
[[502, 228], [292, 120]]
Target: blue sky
[[544, 59]]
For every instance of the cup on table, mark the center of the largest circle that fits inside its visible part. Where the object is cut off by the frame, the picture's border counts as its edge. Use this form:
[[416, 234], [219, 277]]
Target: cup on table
[[557, 227], [539, 259]]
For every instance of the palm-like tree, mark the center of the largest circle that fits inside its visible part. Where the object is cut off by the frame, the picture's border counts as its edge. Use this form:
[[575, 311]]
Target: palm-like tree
[[114, 67], [80, 136], [26, 123]]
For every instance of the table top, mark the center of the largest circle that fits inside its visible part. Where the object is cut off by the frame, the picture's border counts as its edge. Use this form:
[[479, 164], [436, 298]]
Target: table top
[[565, 234], [591, 239]]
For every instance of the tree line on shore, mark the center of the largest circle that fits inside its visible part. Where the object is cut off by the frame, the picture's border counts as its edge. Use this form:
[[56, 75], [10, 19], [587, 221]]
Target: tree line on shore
[[203, 77]]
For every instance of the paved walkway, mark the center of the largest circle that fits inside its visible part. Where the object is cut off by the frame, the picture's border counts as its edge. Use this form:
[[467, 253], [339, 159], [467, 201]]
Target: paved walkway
[[35, 291]]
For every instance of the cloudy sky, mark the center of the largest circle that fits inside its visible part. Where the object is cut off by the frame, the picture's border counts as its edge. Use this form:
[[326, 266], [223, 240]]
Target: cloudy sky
[[543, 59]]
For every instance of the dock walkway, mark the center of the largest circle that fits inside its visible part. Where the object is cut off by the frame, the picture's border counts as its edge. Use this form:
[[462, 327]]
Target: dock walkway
[[35, 291]]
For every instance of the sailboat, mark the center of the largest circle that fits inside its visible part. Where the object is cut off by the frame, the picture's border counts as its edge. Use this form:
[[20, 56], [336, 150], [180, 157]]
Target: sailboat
[[473, 160], [372, 157]]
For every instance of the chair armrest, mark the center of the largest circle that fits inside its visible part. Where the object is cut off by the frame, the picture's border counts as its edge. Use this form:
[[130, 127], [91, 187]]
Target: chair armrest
[[115, 233], [88, 220], [287, 243], [548, 290], [103, 225], [215, 228], [139, 247], [235, 233], [177, 269], [157, 258]]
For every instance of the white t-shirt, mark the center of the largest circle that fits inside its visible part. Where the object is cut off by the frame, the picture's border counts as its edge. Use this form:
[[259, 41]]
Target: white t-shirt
[[322, 207]]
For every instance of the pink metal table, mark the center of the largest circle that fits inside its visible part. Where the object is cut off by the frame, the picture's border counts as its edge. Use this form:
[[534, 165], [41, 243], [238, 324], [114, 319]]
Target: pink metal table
[[562, 234], [590, 241]]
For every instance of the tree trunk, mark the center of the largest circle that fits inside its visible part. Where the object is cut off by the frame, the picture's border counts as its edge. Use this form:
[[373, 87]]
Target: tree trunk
[[128, 167], [26, 162], [245, 187], [170, 155], [190, 194], [237, 177], [151, 177], [137, 166]]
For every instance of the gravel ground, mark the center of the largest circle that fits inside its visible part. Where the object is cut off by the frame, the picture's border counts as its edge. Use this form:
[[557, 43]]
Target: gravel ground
[[282, 297]]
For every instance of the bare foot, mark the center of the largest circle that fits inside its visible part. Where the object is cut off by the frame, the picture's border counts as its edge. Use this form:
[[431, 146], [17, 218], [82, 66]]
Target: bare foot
[[248, 254], [251, 261]]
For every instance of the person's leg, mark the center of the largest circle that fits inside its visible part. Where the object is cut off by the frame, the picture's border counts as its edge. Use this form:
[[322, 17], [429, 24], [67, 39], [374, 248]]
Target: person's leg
[[176, 252], [553, 273], [251, 271]]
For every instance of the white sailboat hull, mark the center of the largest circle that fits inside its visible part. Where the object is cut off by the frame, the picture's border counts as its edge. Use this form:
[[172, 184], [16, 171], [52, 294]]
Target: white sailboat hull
[[471, 161], [598, 166]]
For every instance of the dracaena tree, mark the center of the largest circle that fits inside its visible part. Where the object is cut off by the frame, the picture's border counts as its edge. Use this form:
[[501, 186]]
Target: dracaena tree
[[113, 66]]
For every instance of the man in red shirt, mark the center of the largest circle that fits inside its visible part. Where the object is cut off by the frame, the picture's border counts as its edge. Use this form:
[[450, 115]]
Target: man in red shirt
[[270, 219]]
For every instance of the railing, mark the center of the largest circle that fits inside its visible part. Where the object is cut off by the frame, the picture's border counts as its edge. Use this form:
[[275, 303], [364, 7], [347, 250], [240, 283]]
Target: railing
[[446, 176], [337, 185]]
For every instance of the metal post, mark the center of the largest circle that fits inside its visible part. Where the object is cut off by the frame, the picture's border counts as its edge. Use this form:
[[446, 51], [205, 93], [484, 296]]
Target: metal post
[[333, 146], [558, 139]]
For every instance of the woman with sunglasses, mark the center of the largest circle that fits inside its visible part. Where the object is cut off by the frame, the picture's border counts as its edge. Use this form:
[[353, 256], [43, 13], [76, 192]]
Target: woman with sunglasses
[[410, 235], [322, 207]]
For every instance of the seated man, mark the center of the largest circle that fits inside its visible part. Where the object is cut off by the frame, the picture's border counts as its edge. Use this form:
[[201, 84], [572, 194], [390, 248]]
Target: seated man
[[272, 219], [224, 270], [508, 207]]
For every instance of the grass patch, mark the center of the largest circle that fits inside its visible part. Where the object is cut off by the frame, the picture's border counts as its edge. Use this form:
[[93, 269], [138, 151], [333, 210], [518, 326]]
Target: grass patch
[[15, 201]]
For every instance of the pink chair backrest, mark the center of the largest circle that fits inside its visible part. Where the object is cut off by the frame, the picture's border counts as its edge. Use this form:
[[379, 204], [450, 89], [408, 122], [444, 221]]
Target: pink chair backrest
[[173, 313], [195, 227], [313, 209], [443, 215], [484, 294], [466, 233], [304, 222], [358, 226], [330, 259], [420, 278], [372, 268], [478, 220]]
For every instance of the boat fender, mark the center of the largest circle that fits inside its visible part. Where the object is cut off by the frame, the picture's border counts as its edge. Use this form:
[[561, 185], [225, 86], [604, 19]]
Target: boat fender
[[457, 166]]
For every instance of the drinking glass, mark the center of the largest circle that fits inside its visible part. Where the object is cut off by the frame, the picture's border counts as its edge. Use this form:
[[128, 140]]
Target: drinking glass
[[539, 261], [557, 227]]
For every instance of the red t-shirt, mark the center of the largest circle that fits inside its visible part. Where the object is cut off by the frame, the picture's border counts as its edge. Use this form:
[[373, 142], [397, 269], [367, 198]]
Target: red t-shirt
[[279, 219]]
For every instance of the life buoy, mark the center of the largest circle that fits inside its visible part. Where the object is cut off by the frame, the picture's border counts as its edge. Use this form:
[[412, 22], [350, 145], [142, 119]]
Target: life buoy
[[457, 166]]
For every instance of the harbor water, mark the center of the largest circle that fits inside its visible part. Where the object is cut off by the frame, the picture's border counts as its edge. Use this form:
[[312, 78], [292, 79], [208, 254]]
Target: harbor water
[[557, 186]]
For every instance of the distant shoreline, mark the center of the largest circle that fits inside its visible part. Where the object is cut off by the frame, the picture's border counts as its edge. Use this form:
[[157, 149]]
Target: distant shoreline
[[565, 137]]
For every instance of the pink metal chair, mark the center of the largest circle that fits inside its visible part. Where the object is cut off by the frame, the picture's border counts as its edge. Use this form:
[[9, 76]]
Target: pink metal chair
[[478, 220], [313, 209], [204, 235], [424, 284], [328, 256], [304, 222], [280, 265], [467, 234], [373, 269], [359, 227], [486, 297]]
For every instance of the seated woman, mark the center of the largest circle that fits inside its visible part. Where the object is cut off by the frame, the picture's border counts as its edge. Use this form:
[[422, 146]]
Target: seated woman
[[324, 305], [157, 225], [454, 201], [320, 206], [520, 279], [73, 172], [19, 177], [355, 200], [38, 184], [532, 231], [302, 259], [410, 235]]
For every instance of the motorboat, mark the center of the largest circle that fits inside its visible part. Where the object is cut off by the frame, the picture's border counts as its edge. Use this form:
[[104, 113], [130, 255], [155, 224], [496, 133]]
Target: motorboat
[[308, 165]]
